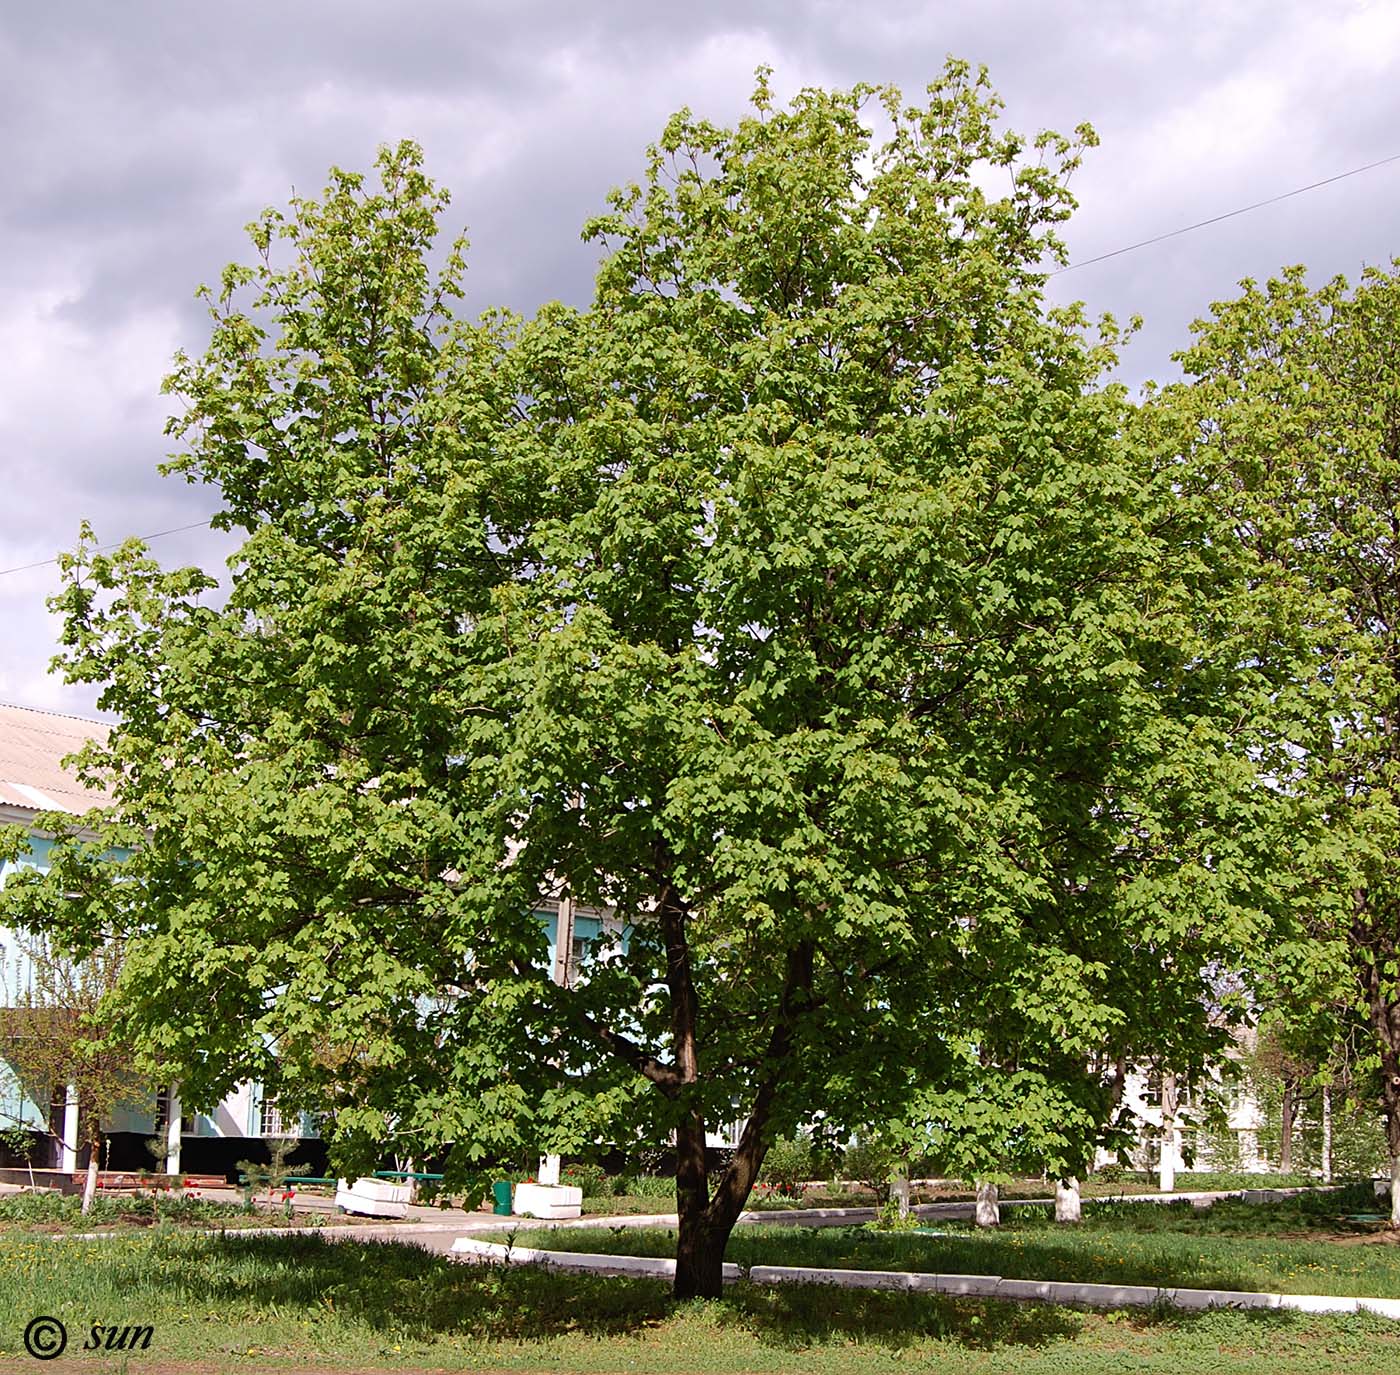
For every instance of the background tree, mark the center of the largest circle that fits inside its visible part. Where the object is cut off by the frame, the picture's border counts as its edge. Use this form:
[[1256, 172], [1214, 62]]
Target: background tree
[[53, 1035], [1313, 1069], [1291, 423], [787, 602]]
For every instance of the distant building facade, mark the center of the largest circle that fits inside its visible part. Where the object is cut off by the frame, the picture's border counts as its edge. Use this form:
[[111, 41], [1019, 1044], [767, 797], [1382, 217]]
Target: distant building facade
[[33, 780]]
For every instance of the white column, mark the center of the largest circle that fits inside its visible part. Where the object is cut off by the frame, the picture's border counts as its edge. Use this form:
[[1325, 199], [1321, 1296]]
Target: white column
[[68, 1152], [172, 1130]]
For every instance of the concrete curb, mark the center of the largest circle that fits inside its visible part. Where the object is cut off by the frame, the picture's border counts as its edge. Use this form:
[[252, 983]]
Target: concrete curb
[[968, 1286]]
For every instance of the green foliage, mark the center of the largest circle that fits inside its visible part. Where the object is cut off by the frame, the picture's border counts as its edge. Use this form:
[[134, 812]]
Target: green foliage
[[273, 1174], [800, 603], [592, 1179], [888, 1218], [44, 1211], [872, 1160], [645, 1186], [54, 1030], [1288, 425], [788, 1164], [19, 1141]]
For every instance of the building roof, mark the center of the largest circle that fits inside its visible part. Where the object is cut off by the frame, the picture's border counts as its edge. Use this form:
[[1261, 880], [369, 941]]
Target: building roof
[[32, 745]]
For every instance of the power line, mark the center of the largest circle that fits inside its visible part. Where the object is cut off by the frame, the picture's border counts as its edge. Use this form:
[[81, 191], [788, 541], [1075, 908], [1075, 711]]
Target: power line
[[44, 563], [1228, 215], [1099, 258]]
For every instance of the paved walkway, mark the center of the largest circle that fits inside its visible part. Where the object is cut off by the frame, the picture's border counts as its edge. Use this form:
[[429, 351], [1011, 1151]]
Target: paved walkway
[[436, 1229]]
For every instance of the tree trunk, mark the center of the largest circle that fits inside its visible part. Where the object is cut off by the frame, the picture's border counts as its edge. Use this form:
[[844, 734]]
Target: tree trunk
[[1290, 1110], [899, 1189], [988, 1205], [706, 1221], [1326, 1133], [1166, 1163], [1067, 1203], [700, 1259], [699, 1243], [1386, 1016], [90, 1183]]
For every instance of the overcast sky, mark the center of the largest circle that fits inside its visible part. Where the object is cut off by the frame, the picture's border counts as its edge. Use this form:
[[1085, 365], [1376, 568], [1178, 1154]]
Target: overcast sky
[[142, 136]]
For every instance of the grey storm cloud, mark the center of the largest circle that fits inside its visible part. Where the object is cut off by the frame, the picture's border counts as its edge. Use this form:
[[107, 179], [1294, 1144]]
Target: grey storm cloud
[[142, 137]]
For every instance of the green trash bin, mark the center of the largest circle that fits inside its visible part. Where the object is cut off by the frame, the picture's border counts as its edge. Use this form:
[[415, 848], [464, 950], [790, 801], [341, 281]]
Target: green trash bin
[[500, 1191]]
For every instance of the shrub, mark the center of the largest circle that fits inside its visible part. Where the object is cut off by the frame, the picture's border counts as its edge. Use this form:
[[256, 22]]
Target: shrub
[[873, 1164], [592, 1179], [788, 1164], [888, 1219], [645, 1186]]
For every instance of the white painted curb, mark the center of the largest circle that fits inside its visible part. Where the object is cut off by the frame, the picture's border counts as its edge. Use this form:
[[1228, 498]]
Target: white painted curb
[[972, 1286]]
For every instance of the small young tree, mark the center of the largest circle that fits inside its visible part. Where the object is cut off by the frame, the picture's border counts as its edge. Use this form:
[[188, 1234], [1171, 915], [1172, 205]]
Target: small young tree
[[56, 1034]]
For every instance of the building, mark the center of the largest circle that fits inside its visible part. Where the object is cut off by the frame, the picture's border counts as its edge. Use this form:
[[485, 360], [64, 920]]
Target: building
[[33, 779]]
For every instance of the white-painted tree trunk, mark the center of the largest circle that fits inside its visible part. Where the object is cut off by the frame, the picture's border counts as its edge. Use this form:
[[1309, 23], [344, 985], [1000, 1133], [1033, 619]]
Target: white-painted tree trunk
[[549, 1169], [1067, 1202], [988, 1205], [1166, 1164], [1395, 1190], [899, 1191], [90, 1183], [1326, 1134]]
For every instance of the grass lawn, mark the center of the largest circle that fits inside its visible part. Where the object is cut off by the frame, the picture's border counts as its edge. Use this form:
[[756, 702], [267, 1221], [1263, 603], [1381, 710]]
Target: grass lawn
[[56, 1213], [252, 1303], [1304, 1246], [853, 1196]]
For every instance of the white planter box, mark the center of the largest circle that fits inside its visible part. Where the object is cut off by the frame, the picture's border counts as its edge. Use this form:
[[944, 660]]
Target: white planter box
[[373, 1197], [547, 1200]]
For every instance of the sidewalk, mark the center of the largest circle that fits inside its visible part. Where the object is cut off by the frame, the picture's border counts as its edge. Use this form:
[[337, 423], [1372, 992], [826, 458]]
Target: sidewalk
[[437, 1229], [421, 1215]]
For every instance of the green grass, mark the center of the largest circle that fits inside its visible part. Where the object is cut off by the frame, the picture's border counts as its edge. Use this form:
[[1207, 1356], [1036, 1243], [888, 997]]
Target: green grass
[[823, 1196], [627, 1205], [1278, 1248], [47, 1212], [247, 1303]]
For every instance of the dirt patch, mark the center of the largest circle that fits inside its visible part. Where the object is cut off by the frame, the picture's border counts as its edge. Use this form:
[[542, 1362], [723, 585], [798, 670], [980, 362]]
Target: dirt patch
[[1358, 1234], [1382, 1236]]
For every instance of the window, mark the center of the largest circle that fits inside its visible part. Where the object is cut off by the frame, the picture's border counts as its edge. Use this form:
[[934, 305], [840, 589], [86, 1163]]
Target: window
[[270, 1119]]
